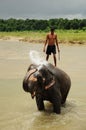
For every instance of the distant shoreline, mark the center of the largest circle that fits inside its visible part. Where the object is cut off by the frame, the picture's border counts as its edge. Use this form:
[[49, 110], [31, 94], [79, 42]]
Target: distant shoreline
[[27, 40], [64, 36]]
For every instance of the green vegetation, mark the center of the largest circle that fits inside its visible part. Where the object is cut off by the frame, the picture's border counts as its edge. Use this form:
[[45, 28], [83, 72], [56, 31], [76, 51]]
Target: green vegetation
[[64, 36], [33, 30], [34, 24], [72, 36]]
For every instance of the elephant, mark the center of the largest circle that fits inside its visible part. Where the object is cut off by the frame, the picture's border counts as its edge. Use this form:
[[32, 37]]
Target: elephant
[[47, 82]]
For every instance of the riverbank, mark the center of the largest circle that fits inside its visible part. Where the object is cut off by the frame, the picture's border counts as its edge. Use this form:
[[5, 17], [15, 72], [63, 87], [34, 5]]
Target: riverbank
[[64, 36]]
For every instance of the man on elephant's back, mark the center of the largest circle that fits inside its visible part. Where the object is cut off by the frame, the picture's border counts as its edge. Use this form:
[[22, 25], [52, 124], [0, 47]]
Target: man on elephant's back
[[51, 39]]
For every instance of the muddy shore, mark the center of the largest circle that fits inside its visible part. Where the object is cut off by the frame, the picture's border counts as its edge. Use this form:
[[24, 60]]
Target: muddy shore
[[39, 40]]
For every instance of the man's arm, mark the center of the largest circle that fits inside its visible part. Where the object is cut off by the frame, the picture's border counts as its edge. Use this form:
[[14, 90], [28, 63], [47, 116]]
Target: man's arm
[[57, 44], [45, 43]]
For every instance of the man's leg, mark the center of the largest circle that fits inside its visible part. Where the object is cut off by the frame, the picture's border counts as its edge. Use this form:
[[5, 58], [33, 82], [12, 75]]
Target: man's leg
[[54, 56], [47, 57]]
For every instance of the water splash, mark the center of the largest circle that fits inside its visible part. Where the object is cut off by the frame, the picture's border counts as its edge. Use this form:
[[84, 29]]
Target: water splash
[[36, 58]]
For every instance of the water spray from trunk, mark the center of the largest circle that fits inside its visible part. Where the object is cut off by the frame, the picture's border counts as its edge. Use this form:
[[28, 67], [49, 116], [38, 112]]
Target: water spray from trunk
[[36, 58]]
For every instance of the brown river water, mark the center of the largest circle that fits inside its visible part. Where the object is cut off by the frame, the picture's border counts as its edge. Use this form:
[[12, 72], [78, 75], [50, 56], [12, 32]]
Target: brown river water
[[18, 111]]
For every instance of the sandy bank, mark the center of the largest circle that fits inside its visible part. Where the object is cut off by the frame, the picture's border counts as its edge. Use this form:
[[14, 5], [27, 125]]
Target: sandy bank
[[38, 40]]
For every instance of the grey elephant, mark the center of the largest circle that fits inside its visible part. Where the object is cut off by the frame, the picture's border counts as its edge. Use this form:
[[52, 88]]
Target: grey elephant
[[46, 82]]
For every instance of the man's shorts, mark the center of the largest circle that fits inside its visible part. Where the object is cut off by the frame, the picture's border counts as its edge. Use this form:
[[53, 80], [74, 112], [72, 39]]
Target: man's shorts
[[51, 49]]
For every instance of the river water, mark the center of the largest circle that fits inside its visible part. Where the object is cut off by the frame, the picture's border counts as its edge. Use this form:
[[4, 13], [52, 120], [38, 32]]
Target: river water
[[18, 111]]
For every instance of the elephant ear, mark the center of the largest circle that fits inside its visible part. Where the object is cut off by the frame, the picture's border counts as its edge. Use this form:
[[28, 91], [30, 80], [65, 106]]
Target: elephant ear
[[25, 86], [50, 84], [29, 75]]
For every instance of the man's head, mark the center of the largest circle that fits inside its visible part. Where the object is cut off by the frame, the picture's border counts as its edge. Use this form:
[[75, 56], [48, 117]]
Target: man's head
[[52, 29]]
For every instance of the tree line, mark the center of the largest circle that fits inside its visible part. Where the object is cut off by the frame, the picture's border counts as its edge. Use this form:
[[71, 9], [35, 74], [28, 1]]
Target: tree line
[[34, 24]]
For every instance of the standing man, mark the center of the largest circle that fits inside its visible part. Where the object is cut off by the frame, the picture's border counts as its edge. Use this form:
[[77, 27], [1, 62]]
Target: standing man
[[51, 42]]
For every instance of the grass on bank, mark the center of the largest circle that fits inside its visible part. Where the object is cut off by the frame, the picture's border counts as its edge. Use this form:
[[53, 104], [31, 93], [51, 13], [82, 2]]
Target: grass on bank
[[64, 36]]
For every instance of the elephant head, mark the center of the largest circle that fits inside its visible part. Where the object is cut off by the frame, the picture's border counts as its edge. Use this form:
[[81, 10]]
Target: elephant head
[[37, 79]]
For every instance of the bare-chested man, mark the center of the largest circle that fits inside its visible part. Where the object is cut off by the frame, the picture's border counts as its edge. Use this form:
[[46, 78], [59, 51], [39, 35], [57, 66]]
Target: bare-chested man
[[51, 39]]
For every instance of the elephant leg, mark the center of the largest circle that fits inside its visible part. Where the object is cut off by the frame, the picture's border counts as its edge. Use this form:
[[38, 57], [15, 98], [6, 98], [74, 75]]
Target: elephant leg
[[39, 102], [65, 96], [56, 106]]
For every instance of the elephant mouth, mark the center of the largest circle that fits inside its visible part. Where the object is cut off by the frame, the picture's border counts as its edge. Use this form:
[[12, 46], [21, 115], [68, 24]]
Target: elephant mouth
[[33, 94]]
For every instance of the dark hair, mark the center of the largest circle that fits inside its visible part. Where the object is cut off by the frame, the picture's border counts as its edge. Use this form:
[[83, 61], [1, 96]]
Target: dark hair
[[52, 28]]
